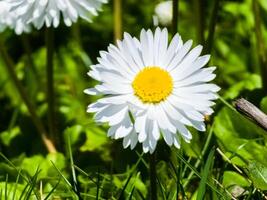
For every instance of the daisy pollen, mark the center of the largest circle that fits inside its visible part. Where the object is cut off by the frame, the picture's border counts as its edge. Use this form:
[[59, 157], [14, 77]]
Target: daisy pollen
[[152, 85], [151, 89]]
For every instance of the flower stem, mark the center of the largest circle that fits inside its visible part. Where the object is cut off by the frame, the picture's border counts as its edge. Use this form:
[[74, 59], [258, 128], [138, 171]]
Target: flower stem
[[50, 80], [36, 120], [117, 20], [153, 176], [28, 51], [260, 44], [199, 10], [175, 11], [212, 26]]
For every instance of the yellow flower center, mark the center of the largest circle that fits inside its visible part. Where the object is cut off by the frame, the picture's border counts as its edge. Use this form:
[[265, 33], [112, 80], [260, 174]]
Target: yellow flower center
[[152, 84]]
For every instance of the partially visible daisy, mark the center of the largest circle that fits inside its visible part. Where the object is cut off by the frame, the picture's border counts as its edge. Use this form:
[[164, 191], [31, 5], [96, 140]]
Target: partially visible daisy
[[4, 18], [8, 19], [163, 13], [152, 89], [48, 12]]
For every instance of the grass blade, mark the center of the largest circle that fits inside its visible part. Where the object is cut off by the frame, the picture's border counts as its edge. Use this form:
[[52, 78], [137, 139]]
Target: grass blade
[[205, 174], [196, 172], [124, 187], [16, 185], [53, 189]]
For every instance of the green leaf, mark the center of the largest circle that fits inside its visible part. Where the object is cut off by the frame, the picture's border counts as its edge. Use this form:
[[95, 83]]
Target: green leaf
[[95, 139], [31, 164], [258, 174], [193, 149], [13, 190], [249, 82], [239, 137], [264, 105], [7, 136], [231, 178], [263, 4]]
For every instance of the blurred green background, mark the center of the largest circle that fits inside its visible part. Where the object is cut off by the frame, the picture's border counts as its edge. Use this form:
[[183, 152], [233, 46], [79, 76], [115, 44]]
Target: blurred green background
[[103, 169]]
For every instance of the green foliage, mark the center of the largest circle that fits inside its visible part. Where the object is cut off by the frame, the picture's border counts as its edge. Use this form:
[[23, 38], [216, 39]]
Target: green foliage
[[240, 138], [227, 161], [258, 174]]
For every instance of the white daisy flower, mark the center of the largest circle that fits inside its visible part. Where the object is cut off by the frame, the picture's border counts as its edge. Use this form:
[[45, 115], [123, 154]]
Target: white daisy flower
[[152, 89], [40, 12], [4, 18], [163, 13], [8, 19]]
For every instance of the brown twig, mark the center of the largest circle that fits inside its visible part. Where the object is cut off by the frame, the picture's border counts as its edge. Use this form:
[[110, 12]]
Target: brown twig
[[252, 112]]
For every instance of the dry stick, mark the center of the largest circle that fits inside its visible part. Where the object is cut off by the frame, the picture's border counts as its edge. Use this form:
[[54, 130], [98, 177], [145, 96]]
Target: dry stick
[[175, 9], [36, 120], [117, 20], [260, 44], [252, 112]]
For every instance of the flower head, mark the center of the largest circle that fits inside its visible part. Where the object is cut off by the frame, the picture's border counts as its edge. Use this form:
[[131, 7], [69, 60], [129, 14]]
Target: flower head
[[163, 12], [152, 89], [48, 12], [9, 19]]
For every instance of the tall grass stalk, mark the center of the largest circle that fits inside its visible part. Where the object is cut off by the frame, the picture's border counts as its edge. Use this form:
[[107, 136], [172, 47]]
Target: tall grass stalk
[[212, 26], [199, 20], [49, 37], [175, 11], [27, 48], [260, 44], [30, 106], [117, 20]]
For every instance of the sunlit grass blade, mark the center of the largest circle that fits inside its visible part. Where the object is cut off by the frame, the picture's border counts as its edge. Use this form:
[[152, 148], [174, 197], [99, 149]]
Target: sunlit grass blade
[[141, 195], [125, 186], [131, 194], [62, 176], [196, 172], [6, 182], [16, 185], [227, 104], [141, 159], [87, 175], [52, 191], [73, 173], [205, 174], [32, 185]]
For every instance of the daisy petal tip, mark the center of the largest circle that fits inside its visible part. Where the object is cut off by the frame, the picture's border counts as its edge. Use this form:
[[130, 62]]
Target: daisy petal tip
[[90, 91]]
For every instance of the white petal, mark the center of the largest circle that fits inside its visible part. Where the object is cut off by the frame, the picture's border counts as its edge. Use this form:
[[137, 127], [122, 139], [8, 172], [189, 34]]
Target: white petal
[[167, 135], [180, 55]]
